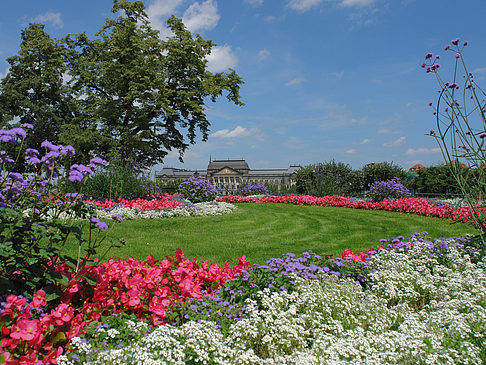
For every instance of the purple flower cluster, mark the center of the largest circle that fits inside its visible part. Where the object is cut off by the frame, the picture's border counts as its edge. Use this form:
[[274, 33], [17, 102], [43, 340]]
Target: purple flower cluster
[[197, 189], [253, 189], [389, 189]]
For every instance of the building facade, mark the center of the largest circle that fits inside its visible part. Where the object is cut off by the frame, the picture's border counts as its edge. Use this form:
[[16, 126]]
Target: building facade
[[228, 175]]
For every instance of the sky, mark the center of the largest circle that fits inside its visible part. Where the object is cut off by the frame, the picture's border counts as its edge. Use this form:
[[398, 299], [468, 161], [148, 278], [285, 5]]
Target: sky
[[324, 79]]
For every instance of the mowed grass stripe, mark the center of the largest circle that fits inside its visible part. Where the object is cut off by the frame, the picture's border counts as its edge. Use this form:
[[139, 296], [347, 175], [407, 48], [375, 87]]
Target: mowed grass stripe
[[262, 231]]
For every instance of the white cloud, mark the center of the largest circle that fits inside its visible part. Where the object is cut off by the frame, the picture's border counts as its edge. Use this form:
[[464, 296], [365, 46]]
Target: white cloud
[[351, 151], [388, 131], [303, 5], [158, 10], [263, 54], [423, 150], [296, 81], [255, 2], [270, 18], [395, 143], [201, 16], [364, 141], [339, 75], [2, 75], [221, 58], [50, 17], [350, 3], [238, 132]]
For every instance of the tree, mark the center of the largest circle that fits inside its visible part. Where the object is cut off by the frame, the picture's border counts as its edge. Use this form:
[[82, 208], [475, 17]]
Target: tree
[[144, 92], [126, 93], [33, 91], [382, 171]]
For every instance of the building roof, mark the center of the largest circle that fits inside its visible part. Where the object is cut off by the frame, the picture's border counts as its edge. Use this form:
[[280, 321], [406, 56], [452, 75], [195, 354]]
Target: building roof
[[416, 167], [176, 173], [233, 164]]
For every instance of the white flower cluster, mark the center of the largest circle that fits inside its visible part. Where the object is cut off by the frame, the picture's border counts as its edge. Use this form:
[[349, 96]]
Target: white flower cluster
[[198, 209], [418, 310]]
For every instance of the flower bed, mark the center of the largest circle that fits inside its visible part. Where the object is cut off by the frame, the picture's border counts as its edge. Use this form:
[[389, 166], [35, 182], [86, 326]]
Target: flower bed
[[145, 290], [166, 206], [418, 206], [421, 301]]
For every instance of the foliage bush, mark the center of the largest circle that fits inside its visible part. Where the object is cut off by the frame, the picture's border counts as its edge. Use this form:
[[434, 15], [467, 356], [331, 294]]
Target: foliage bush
[[381, 171], [438, 180], [390, 189], [197, 189], [117, 180], [329, 178]]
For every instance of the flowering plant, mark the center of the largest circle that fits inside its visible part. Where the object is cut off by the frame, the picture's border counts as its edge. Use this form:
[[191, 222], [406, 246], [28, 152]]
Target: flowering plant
[[34, 224], [461, 131], [418, 206], [197, 189], [145, 289], [390, 189], [252, 189]]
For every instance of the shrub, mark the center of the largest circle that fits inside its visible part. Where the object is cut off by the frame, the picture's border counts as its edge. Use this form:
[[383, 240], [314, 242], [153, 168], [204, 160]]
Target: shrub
[[390, 189], [329, 178], [118, 181], [197, 189], [252, 189], [437, 180], [381, 171]]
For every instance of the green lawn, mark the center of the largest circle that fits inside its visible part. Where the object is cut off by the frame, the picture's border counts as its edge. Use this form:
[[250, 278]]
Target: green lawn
[[262, 231]]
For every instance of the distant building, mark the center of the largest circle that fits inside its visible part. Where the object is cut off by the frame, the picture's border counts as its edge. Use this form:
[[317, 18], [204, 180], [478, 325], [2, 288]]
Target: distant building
[[414, 169], [228, 175]]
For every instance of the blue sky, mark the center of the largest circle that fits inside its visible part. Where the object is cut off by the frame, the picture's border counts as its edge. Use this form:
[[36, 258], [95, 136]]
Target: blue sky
[[324, 79]]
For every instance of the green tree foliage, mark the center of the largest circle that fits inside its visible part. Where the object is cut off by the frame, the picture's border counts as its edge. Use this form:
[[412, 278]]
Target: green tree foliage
[[382, 171], [33, 90], [439, 180], [329, 178], [127, 92]]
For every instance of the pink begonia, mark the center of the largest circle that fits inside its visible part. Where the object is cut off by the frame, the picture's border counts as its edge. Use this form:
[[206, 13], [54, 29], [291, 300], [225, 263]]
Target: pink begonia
[[39, 299], [418, 206]]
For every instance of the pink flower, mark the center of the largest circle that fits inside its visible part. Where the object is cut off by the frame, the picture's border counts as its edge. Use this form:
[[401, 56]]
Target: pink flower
[[39, 299], [25, 329]]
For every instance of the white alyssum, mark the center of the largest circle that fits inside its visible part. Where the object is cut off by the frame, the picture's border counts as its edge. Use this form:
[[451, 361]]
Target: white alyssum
[[199, 209], [418, 310]]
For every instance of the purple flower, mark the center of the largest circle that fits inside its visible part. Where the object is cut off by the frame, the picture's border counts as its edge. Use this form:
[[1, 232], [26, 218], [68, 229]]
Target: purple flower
[[118, 217], [28, 126], [97, 161], [455, 41], [6, 138], [75, 176], [31, 152], [70, 150], [18, 132], [101, 225], [457, 55], [50, 146], [428, 55], [16, 176], [465, 43]]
